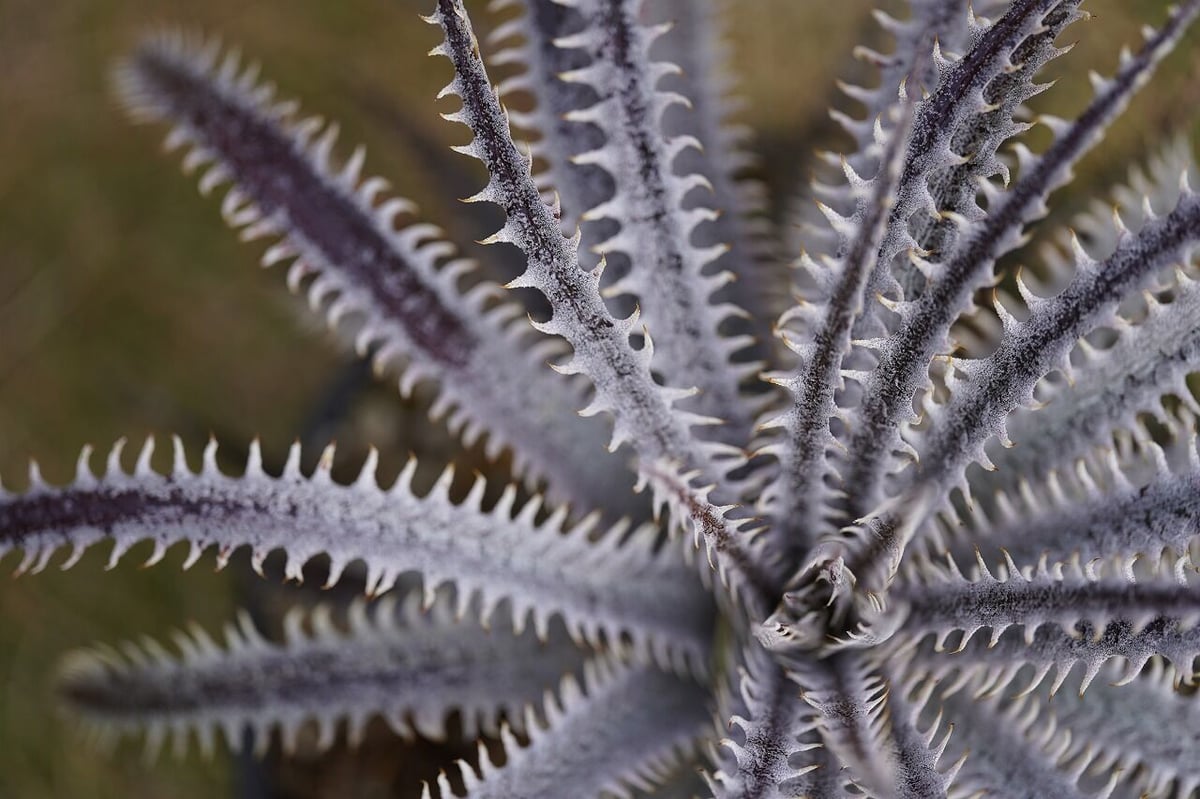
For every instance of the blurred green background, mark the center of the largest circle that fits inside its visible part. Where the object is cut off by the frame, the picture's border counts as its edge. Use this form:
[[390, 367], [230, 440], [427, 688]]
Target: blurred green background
[[126, 308]]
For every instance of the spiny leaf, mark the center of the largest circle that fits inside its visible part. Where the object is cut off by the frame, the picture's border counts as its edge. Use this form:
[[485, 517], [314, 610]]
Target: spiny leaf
[[798, 498], [1089, 518], [604, 589], [1105, 390], [529, 40], [697, 43], [946, 22], [777, 752], [671, 460], [666, 272], [1054, 652], [847, 698], [905, 357], [625, 729], [1010, 753], [1032, 348], [408, 666], [871, 731], [951, 606], [1146, 728], [853, 693], [393, 291], [1006, 379], [954, 190], [961, 94]]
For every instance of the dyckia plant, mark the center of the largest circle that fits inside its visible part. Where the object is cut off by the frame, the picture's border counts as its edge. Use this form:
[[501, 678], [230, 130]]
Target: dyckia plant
[[771, 557]]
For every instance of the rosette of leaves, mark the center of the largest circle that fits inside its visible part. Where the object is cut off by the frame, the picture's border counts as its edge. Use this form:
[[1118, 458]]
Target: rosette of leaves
[[826, 597]]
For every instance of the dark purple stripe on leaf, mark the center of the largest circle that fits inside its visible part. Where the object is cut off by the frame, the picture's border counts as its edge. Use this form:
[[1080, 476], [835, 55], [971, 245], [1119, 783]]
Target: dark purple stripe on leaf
[[34, 515], [273, 171]]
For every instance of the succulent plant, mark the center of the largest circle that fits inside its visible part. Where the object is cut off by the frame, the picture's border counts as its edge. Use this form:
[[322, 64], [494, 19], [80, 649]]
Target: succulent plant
[[761, 542]]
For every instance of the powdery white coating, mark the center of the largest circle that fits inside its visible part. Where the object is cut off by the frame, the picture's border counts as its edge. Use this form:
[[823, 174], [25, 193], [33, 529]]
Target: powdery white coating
[[849, 689], [528, 41], [1145, 728], [667, 274], [1030, 349], [798, 498], [604, 589], [925, 323], [393, 290], [1012, 754], [1098, 513], [771, 725], [410, 666], [871, 727], [946, 22], [696, 44], [955, 607], [960, 428], [859, 558], [1018, 662], [671, 458], [601, 343], [1107, 389], [954, 109], [956, 189], [625, 729], [950, 163]]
